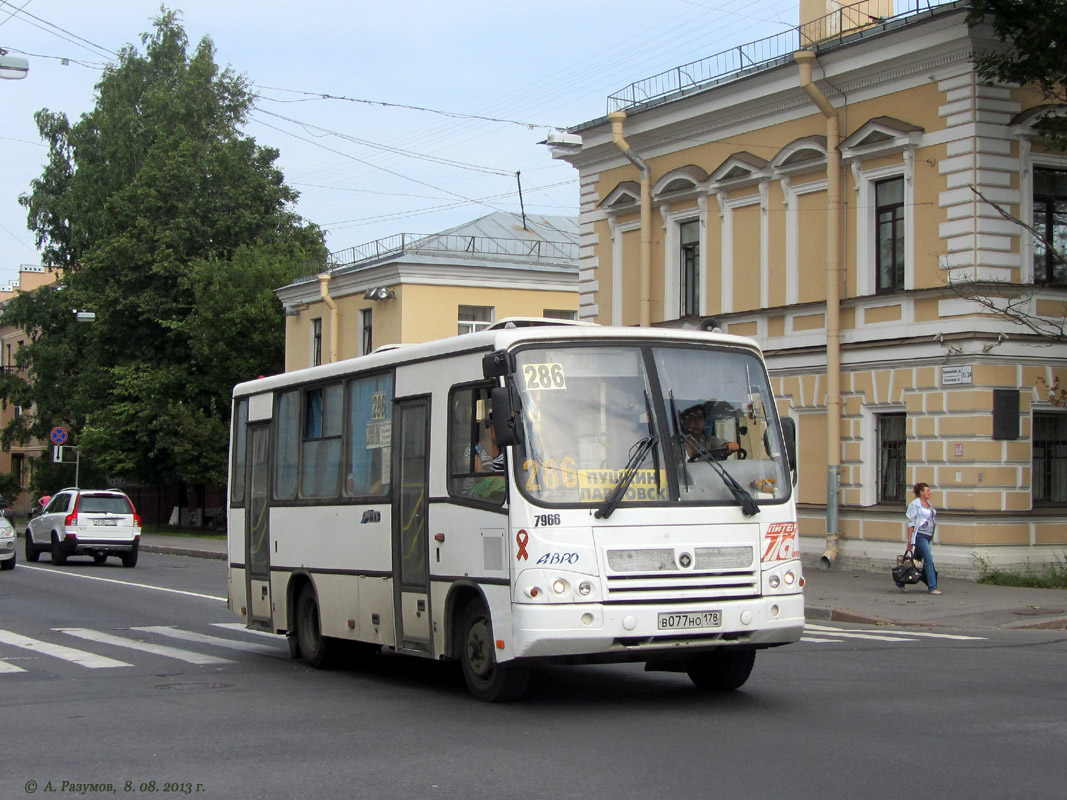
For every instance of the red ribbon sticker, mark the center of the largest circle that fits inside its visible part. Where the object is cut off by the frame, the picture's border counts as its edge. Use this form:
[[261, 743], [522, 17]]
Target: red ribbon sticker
[[521, 539]]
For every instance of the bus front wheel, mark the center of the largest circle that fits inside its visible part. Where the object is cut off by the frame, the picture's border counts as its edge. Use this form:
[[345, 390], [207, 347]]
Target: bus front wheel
[[486, 678], [313, 647], [721, 671]]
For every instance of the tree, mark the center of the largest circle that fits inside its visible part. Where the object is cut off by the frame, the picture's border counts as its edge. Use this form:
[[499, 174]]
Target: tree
[[174, 229], [1034, 53]]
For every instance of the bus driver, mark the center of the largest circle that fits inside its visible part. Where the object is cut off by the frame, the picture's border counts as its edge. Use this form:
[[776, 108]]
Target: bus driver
[[695, 436]]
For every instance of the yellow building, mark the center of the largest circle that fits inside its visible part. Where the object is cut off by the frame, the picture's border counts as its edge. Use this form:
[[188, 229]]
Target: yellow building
[[414, 288], [839, 193], [18, 459]]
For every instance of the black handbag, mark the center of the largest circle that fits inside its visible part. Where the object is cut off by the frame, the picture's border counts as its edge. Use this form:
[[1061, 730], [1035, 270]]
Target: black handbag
[[905, 572]]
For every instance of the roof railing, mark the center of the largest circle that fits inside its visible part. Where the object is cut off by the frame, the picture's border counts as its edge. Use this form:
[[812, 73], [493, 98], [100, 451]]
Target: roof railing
[[768, 52]]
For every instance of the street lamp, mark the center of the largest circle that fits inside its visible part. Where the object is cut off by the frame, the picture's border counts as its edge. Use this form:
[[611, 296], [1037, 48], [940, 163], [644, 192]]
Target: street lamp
[[13, 68]]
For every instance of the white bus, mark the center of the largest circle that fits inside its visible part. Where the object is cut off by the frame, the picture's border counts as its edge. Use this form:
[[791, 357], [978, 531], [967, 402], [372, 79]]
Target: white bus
[[521, 495]]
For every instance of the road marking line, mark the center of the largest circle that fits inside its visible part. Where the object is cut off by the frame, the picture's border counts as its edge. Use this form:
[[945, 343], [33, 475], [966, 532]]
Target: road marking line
[[79, 657], [926, 634], [147, 647], [240, 626], [874, 636], [124, 583], [820, 641], [5, 667], [216, 641]]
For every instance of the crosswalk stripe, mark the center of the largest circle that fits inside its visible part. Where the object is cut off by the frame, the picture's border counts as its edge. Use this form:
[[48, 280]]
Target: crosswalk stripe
[[924, 634], [146, 647], [5, 667], [813, 640], [874, 636], [215, 641], [240, 626], [80, 657]]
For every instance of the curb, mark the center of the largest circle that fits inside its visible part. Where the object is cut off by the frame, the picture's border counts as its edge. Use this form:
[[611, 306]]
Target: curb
[[845, 615], [170, 550]]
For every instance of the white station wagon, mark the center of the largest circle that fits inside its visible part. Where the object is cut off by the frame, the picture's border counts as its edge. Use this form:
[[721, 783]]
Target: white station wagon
[[92, 522]]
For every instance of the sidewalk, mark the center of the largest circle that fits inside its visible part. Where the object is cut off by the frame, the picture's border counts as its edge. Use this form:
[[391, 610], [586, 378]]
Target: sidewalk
[[837, 595]]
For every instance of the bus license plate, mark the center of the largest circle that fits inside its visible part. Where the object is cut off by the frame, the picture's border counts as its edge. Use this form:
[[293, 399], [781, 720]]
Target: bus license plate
[[104, 522], [685, 620]]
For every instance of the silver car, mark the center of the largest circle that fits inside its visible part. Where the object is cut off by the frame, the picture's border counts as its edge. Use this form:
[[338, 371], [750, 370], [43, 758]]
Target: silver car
[[7, 544], [92, 522]]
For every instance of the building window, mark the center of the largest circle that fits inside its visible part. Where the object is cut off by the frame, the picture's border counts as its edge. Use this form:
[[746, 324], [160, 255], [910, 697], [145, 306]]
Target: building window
[[1050, 459], [689, 269], [1050, 225], [366, 338], [316, 341], [889, 248], [559, 313], [892, 441], [475, 318]]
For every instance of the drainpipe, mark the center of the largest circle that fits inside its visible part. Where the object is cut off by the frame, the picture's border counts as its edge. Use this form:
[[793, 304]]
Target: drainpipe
[[645, 282], [324, 293], [805, 59]]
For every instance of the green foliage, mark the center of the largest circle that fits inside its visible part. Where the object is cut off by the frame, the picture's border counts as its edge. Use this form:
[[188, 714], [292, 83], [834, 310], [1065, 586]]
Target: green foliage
[[1050, 575], [1034, 53], [174, 229]]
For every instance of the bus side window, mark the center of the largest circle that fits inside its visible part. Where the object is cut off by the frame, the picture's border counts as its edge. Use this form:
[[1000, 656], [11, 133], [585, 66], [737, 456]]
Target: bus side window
[[475, 462], [370, 421], [320, 461]]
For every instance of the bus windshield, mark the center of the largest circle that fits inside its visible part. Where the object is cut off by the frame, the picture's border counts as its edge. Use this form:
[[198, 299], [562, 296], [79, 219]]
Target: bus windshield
[[636, 424]]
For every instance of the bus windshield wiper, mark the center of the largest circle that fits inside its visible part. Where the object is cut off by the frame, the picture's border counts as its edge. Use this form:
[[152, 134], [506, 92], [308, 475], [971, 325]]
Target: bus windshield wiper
[[638, 453], [748, 505]]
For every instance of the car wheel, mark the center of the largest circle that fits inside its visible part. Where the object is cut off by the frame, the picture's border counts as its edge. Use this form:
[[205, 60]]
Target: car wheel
[[487, 679], [59, 558], [317, 650], [32, 553], [9, 564], [100, 558], [721, 671], [129, 560]]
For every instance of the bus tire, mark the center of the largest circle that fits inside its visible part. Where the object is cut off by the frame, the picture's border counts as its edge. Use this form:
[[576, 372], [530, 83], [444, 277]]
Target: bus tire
[[315, 649], [486, 679], [721, 671]]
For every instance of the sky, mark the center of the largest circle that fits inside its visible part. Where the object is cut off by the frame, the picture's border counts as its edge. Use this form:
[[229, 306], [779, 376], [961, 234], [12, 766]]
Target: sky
[[407, 116]]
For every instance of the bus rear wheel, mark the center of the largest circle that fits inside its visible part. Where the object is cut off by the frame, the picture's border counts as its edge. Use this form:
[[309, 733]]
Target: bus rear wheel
[[314, 648], [487, 679], [721, 671]]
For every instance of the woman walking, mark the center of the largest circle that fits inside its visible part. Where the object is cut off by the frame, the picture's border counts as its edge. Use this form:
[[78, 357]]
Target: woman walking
[[922, 523]]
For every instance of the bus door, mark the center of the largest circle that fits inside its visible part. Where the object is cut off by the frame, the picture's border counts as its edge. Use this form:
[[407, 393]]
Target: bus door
[[257, 526], [411, 572]]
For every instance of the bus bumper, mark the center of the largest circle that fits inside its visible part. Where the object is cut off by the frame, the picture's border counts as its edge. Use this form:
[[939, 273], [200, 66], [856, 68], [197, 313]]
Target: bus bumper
[[632, 632]]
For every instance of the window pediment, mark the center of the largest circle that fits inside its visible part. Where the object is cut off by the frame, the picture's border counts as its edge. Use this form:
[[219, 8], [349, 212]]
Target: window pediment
[[801, 155], [1027, 123], [741, 168], [624, 197], [881, 136], [680, 181]]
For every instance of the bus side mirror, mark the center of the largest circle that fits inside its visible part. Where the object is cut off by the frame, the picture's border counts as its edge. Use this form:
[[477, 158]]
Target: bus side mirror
[[789, 433], [505, 404], [498, 364]]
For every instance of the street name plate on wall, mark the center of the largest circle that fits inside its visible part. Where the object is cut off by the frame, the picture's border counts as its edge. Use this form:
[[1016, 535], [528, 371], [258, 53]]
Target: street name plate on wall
[[956, 375]]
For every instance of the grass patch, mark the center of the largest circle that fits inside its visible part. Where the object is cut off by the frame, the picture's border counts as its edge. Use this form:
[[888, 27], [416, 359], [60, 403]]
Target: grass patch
[[1048, 575]]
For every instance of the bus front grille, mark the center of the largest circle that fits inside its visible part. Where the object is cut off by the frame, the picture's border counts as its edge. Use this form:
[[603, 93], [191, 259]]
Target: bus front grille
[[685, 586]]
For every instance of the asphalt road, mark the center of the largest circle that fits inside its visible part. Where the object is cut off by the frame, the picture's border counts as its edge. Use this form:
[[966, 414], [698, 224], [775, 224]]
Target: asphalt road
[[850, 710]]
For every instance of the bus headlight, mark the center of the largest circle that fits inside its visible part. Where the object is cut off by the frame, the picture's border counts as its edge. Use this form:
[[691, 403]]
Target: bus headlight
[[559, 586], [585, 588]]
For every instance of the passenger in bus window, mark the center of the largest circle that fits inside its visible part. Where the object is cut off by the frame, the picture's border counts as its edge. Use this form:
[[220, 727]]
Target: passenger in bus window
[[696, 437], [488, 457]]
